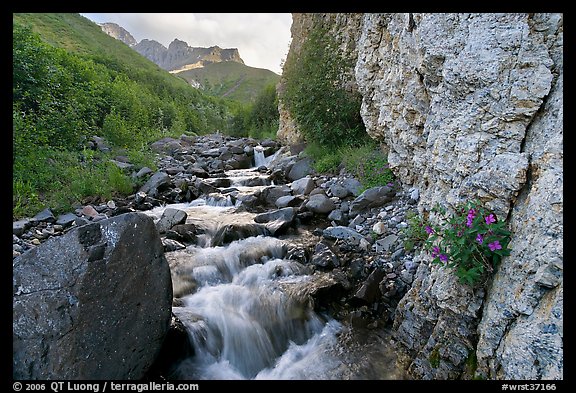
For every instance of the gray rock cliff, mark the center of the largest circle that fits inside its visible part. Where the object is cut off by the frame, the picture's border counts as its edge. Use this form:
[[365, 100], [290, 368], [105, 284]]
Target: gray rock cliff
[[470, 106]]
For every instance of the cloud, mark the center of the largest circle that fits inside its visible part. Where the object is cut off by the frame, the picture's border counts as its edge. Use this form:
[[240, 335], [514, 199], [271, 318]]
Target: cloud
[[262, 39]]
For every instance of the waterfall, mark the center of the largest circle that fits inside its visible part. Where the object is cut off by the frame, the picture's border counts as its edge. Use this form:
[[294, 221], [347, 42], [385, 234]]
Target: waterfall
[[259, 158]]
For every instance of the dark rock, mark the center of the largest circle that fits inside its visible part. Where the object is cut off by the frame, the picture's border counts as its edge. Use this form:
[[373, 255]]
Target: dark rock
[[278, 220], [94, 303], [343, 233], [324, 256], [339, 191], [372, 197], [300, 169], [183, 233], [369, 291], [352, 185], [172, 245], [79, 221], [45, 215], [174, 170], [269, 195], [302, 186], [158, 182], [288, 201], [19, 227], [166, 145], [170, 217], [198, 172], [320, 203]]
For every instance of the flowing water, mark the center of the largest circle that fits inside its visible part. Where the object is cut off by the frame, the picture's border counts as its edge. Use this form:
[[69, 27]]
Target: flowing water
[[247, 308]]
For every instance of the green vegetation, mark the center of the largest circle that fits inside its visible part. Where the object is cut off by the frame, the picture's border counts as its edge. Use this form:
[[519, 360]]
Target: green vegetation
[[314, 93], [72, 81], [235, 81], [258, 120], [415, 232], [472, 241], [434, 358]]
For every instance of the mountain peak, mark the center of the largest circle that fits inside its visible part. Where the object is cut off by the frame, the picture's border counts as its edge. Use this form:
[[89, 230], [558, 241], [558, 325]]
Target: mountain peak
[[118, 32]]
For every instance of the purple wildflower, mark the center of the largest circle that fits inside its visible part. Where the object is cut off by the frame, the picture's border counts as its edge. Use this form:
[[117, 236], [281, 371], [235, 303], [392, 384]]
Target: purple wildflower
[[459, 234], [490, 219], [443, 257], [429, 230], [480, 238], [435, 251], [470, 218], [495, 246]]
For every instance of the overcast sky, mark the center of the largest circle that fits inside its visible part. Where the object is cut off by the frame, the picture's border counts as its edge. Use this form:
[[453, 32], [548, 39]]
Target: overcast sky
[[262, 39]]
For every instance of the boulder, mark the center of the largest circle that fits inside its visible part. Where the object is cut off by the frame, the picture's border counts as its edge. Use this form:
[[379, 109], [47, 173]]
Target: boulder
[[19, 227], [170, 217], [342, 233], [278, 220], [94, 303], [320, 203], [324, 256], [372, 197], [288, 201], [302, 186], [156, 183], [45, 215], [369, 291], [339, 191], [300, 169]]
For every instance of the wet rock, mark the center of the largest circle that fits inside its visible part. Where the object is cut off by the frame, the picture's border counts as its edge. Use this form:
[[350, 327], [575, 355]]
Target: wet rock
[[269, 195], [324, 257], [170, 217], [369, 291], [278, 220], [372, 197], [103, 289], [183, 233], [198, 172], [158, 182], [172, 245], [320, 203]]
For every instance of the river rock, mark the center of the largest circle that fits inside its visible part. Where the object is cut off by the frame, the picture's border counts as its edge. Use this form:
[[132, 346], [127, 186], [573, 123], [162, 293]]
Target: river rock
[[288, 201], [302, 186], [300, 169], [343, 233], [372, 197], [269, 195], [157, 182], [324, 256], [170, 217], [20, 226], [45, 215], [94, 303], [369, 291], [320, 203]]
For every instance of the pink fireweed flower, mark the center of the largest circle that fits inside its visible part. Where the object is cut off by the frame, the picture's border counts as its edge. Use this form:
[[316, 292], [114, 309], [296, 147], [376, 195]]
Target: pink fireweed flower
[[490, 219], [479, 238], [435, 251], [443, 257], [429, 230], [495, 246], [470, 217]]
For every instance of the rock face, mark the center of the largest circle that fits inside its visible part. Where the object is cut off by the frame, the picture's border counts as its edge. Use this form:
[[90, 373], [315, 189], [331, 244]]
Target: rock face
[[92, 304], [179, 55], [470, 106], [118, 32]]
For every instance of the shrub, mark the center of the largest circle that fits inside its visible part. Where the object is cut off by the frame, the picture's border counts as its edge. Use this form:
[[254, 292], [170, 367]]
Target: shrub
[[472, 241], [313, 92], [415, 232], [368, 164]]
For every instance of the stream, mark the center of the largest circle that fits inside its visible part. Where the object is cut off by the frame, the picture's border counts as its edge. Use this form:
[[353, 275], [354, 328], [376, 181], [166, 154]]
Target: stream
[[248, 309]]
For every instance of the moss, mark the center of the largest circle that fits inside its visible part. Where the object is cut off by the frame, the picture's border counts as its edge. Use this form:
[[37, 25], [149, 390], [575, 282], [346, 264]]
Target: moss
[[434, 358]]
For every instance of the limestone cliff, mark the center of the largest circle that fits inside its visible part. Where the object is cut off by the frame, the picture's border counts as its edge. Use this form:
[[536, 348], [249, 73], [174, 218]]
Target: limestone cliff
[[118, 32], [179, 56], [470, 105]]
